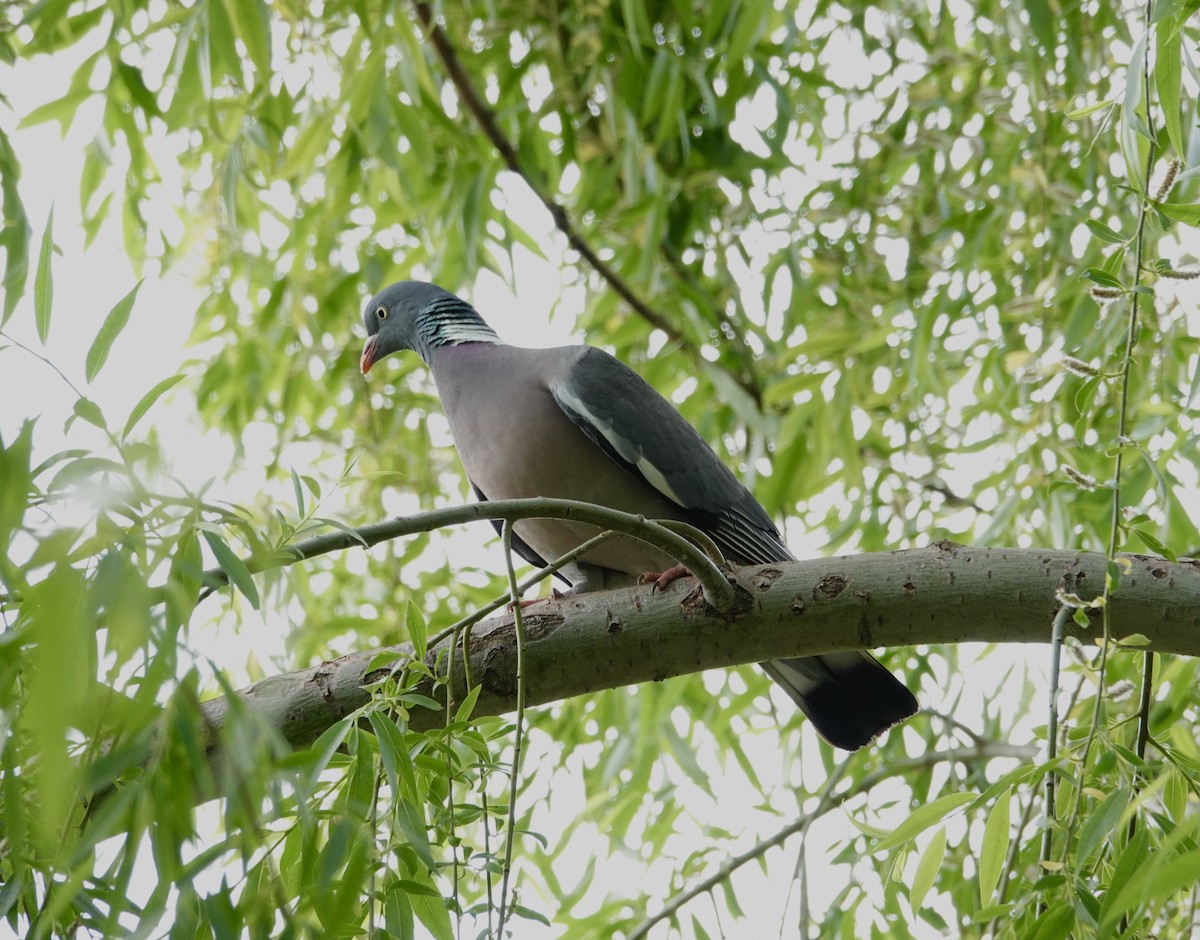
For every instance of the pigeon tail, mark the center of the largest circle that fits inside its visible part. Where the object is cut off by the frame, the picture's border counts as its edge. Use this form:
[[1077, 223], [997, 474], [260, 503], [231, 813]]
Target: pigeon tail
[[849, 697]]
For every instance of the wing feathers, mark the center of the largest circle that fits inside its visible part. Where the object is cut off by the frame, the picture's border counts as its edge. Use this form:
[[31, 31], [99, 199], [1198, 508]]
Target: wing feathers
[[635, 426], [615, 443]]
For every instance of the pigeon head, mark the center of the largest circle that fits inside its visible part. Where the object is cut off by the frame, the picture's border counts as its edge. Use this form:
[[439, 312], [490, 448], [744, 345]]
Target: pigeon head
[[419, 316]]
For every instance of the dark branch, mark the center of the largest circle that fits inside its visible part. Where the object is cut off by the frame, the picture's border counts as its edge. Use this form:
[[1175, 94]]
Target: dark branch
[[486, 120]]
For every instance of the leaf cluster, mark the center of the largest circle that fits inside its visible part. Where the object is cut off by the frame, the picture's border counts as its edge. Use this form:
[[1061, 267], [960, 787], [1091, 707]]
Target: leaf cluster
[[894, 294]]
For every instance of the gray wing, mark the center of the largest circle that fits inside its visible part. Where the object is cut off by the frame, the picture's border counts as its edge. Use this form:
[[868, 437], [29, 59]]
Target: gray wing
[[639, 429], [849, 697]]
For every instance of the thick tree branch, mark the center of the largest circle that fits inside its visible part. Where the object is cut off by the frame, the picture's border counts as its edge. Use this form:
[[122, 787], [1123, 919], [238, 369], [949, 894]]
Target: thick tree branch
[[945, 593]]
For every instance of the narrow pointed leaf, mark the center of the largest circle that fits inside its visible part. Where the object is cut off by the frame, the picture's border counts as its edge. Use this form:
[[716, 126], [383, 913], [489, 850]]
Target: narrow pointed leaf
[[995, 847], [299, 491], [1103, 278], [147, 402], [90, 412], [1104, 233], [1133, 132], [234, 567], [922, 818], [43, 284], [14, 233], [928, 867], [110, 329], [1188, 215], [1101, 822], [1168, 79], [1055, 924]]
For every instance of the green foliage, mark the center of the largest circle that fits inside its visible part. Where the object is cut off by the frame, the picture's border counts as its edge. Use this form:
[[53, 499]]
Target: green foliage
[[14, 235], [897, 296], [110, 329], [43, 288]]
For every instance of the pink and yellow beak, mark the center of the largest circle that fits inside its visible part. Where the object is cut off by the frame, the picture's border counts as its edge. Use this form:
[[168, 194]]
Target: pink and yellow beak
[[368, 354]]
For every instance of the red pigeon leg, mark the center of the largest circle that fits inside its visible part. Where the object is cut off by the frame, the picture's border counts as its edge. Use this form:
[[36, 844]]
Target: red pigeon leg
[[660, 579]]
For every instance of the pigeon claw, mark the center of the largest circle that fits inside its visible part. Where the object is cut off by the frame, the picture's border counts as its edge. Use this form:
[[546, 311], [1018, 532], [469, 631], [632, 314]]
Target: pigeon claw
[[660, 579]]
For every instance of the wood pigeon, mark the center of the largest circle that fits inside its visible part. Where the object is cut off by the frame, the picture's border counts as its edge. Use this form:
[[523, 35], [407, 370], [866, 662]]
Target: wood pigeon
[[575, 423]]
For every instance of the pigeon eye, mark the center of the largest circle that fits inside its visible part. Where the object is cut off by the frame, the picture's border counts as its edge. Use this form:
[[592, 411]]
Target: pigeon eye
[[381, 312]]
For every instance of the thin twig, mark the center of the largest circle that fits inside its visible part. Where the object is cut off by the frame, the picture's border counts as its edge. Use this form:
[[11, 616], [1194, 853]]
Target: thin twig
[[487, 848], [1145, 700], [955, 725], [717, 589], [486, 119], [373, 879], [827, 802], [1048, 814], [450, 778], [802, 864], [464, 626], [518, 729], [1147, 691], [37, 355]]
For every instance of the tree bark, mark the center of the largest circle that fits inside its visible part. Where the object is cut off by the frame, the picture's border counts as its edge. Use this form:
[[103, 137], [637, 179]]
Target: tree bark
[[945, 593]]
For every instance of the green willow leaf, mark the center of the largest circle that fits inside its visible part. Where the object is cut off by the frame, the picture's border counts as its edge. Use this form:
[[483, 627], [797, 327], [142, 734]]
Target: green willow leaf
[[922, 818], [146, 402], [1101, 821], [1043, 22], [43, 284], [15, 232], [251, 22], [429, 907], [1127, 883], [994, 849], [298, 492], [1104, 233], [15, 457], [341, 527], [1189, 215], [142, 96], [1134, 135], [236, 570], [1056, 924], [1078, 113], [928, 867], [90, 412], [1103, 278], [110, 329], [61, 109], [1168, 79]]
